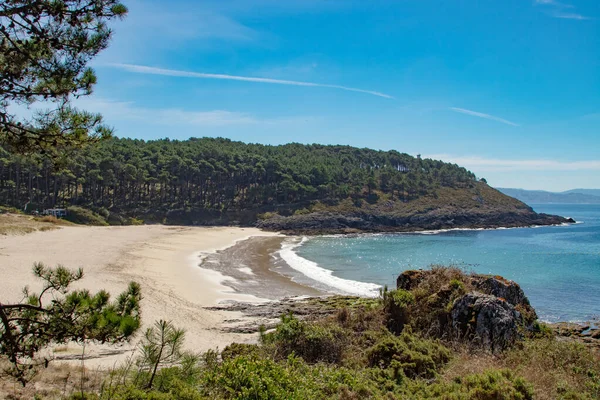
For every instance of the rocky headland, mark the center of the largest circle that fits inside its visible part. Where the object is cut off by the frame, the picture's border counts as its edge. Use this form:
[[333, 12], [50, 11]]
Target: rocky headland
[[478, 207]]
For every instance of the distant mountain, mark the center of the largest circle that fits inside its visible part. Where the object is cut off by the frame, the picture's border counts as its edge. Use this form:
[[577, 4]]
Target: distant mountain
[[591, 192], [575, 196]]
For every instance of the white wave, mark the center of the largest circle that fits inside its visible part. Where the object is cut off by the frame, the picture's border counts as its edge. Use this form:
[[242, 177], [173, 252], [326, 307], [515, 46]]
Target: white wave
[[324, 276]]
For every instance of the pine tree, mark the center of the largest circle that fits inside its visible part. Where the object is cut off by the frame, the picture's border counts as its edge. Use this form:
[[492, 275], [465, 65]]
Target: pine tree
[[58, 316], [45, 49]]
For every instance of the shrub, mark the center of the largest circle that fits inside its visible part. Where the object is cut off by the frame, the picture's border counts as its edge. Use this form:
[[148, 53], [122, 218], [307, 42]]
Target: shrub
[[250, 378], [84, 216], [239, 349], [116, 219], [312, 341], [395, 306], [415, 356], [267, 215], [489, 385], [302, 211]]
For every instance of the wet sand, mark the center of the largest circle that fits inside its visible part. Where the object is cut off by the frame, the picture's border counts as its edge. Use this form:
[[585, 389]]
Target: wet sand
[[252, 267]]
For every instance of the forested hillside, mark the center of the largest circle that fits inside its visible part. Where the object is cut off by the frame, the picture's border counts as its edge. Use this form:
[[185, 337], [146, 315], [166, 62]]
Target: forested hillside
[[217, 174], [200, 180]]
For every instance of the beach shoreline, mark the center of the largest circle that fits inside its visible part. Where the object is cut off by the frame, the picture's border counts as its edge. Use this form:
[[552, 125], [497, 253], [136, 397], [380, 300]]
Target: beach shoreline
[[164, 260]]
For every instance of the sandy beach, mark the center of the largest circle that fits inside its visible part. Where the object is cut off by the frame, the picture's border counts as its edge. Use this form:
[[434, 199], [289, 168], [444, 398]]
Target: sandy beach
[[163, 259]]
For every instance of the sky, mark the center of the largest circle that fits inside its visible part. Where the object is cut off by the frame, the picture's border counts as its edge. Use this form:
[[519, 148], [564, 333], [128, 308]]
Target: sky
[[508, 89]]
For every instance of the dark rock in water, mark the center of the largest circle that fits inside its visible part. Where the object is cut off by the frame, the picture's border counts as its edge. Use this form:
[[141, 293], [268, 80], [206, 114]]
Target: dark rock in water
[[485, 320]]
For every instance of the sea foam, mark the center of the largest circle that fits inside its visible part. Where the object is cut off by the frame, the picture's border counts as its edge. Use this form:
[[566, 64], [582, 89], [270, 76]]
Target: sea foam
[[324, 276]]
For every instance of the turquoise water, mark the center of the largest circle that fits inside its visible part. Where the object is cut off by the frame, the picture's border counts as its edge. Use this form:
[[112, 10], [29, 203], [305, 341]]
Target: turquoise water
[[558, 267]]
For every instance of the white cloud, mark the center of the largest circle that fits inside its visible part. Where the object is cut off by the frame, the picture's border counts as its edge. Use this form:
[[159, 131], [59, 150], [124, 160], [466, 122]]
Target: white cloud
[[481, 164], [142, 69], [482, 115]]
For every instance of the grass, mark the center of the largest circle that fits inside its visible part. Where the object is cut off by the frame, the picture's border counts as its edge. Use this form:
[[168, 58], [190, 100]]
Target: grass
[[18, 224], [478, 198], [554, 368]]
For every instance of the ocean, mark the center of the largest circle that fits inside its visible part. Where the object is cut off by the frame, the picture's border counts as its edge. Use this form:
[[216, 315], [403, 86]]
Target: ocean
[[557, 267]]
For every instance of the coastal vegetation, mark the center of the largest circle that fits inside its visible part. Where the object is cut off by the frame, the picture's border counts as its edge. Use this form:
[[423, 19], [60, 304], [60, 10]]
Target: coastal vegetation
[[380, 348]]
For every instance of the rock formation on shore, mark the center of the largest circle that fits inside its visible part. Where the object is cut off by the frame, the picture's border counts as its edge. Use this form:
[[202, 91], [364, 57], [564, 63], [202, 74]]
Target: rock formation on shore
[[488, 311], [328, 222]]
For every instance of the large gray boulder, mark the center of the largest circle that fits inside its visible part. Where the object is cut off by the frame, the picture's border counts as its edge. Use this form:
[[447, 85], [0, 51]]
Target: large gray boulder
[[485, 320]]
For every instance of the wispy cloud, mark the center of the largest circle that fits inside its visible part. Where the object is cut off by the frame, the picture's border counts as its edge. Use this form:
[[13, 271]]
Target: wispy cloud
[[481, 164], [142, 69], [570, 16], [558, 10], [482, 115]]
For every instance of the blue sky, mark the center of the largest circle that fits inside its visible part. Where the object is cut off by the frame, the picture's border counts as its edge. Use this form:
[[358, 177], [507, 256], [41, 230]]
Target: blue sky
[[509, 89]]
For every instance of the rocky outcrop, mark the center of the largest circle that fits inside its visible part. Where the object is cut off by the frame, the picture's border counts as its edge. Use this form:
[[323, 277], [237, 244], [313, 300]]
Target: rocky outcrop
[[488, 311], [409, 280], [354, 222], [586, 333], [485, 320], [508, 291]]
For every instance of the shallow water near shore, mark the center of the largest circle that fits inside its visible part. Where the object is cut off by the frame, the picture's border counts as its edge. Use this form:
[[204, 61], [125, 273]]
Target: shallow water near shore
[[558, 267]]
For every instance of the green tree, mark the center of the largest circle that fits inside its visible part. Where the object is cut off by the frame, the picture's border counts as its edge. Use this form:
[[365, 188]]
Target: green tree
[[45, 48], [162, 346], [57, 316]]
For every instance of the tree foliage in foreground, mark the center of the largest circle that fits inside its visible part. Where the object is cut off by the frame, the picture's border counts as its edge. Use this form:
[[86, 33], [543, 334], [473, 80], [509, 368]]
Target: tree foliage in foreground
[[57, 315], [45, 49]]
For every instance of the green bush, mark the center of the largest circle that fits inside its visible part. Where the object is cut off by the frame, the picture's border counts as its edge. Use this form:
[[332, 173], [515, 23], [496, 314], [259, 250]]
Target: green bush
[[311, 341], [302, 211], [135, 221], [239, 349], [456, 284], [83, 216], [489, 385], [395, 305], [250, 378], [415, 356], [267, 215]]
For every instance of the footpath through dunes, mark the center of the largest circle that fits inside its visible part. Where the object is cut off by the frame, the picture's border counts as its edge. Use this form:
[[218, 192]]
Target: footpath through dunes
[[164, 260]]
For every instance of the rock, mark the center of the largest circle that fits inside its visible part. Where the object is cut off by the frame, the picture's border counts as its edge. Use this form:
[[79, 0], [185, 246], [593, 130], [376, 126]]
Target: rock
[[384, 219], [485, 320], [507, 290], [408, 280]]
